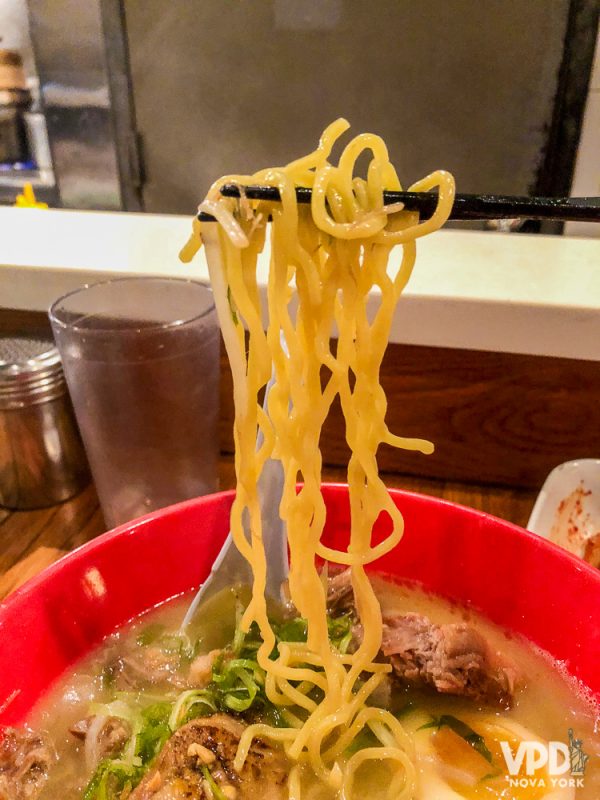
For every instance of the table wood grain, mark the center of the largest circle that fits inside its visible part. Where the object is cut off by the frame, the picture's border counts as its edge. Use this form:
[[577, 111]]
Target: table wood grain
[[502, 419], [32, 540], [495, 418]]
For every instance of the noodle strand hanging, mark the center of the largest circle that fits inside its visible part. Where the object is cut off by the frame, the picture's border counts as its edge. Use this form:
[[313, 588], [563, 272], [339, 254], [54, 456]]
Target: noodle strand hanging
[[327, 262]]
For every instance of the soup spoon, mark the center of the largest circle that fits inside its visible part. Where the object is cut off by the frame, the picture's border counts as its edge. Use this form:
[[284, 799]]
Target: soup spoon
[[230, 567]]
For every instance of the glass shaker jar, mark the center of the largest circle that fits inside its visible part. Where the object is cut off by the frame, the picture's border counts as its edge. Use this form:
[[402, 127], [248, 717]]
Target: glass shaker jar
[[42, 461]]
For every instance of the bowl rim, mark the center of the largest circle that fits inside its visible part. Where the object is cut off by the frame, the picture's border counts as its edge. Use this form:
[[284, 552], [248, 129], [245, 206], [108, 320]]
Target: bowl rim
[[60, 638], [130, 528]]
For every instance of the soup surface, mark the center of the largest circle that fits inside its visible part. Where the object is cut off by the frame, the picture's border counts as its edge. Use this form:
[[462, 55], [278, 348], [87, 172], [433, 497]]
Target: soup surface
[[109, 720]]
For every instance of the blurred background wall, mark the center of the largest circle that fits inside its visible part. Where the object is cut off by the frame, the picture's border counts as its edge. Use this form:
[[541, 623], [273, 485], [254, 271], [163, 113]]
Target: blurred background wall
[[14, 31], [463, 84], [187, 90]]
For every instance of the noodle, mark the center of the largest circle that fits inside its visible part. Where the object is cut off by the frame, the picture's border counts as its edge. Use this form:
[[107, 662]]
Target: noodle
[[328, 259]]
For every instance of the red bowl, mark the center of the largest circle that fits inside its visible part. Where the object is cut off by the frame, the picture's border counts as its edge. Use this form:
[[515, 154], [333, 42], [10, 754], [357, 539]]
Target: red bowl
[[513, 577]]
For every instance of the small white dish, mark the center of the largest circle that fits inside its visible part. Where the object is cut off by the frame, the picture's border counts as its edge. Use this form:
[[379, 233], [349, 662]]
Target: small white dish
[[567, 510]]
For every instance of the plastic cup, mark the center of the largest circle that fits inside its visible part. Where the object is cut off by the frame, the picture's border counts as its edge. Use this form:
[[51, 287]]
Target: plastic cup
[[141, 360]]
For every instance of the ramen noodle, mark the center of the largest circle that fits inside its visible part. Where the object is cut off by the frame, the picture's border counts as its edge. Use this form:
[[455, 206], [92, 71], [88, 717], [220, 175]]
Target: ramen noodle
[[326, 262]]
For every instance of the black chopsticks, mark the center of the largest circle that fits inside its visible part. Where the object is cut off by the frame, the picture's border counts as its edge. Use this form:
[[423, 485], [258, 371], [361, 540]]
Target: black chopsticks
[[466, 206]]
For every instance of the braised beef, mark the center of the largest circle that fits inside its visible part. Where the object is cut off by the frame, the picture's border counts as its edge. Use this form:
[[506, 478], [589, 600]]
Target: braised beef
[[111, 734], [25, 762], [340, 594], [453, 659]]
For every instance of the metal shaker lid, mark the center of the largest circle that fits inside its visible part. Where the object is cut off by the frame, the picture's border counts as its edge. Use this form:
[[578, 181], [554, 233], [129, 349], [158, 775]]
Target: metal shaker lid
[[30, 372]]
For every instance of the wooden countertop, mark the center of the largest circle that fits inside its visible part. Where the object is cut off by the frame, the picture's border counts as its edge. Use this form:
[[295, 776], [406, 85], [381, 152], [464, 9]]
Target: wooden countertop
[[31, 540]]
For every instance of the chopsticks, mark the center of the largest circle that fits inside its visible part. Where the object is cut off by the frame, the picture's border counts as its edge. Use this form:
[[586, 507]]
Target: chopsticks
[[466, 206]]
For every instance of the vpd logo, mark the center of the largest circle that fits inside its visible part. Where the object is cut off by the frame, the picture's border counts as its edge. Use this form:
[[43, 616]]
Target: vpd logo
[[555, 759]]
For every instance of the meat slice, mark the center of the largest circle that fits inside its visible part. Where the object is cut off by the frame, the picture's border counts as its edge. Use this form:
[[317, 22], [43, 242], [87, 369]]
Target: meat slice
[[103, 736], [453, 659], [210, 743], [200, 674], [139, 666], [25, 761], [340, 594]]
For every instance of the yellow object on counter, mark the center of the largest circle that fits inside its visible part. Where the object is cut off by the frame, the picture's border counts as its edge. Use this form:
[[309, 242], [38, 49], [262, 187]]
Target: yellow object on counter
[[27, 199]]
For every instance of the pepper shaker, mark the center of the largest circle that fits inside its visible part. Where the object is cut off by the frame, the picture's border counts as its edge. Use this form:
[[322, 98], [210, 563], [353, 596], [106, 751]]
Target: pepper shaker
[[42, 460]]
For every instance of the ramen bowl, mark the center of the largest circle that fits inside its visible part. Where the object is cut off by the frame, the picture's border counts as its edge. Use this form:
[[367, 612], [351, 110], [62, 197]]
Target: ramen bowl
[[514, 578]]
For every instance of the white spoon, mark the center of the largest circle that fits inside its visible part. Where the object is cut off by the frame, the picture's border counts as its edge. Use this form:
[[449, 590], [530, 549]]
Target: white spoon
[[230, 567]]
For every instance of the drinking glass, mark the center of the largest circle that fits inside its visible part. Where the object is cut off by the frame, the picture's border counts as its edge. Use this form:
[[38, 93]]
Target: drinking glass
[[141, 360]]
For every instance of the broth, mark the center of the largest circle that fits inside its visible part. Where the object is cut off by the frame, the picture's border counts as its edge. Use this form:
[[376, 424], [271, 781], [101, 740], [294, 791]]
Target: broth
[[548, 703]]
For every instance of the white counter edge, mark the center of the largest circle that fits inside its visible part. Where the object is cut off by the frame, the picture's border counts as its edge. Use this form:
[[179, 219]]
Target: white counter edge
[[479, 291]]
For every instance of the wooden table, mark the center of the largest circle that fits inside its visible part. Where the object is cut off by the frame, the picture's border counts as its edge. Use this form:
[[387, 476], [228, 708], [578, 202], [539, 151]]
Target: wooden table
[[31, 540]]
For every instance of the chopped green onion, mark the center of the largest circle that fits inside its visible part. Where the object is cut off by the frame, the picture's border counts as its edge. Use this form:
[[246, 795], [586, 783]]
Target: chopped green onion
[[234, 316], [150, 634], [214, 786], [237, 684], [154, 731], [188, 700], [110, 779]]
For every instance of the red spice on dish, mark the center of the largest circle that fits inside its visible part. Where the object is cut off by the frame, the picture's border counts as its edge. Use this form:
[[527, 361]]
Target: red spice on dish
[[572, 527]]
